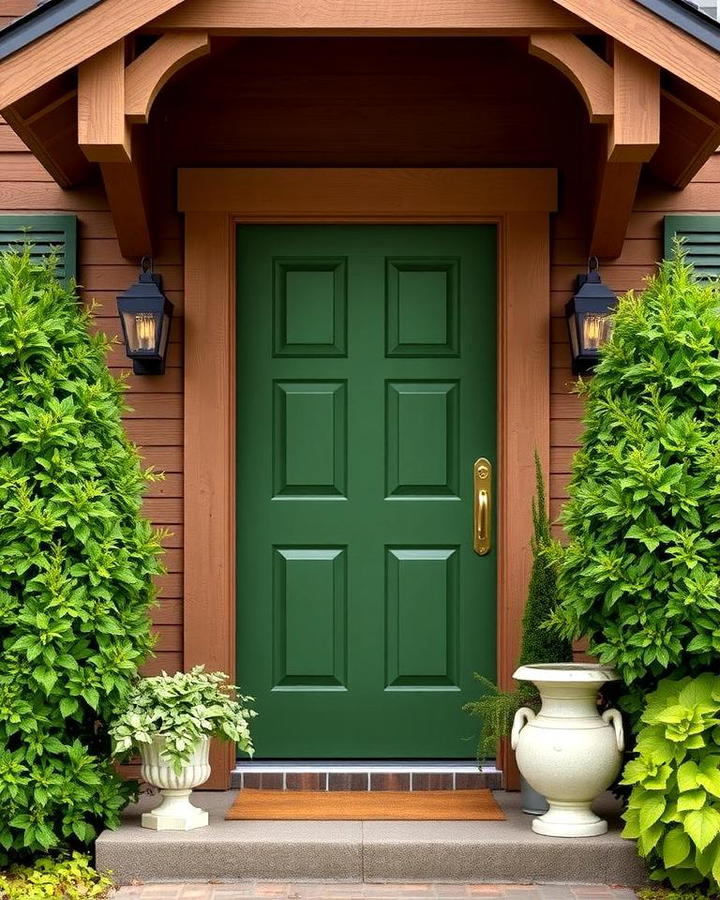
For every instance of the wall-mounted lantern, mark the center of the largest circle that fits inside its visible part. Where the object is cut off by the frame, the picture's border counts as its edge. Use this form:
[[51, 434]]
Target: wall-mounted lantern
[[146, 316], [590, 318]]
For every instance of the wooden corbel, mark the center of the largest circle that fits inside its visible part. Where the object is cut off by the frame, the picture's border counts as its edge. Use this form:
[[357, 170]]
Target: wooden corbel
[[590, 74], [146, 75]]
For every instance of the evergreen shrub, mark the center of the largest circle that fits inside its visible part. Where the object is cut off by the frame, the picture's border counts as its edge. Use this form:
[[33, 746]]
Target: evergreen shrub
[[641, 574], [76, 566]]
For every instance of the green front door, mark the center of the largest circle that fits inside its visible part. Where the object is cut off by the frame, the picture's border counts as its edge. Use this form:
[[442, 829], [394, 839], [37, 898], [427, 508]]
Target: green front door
[[366, 391]]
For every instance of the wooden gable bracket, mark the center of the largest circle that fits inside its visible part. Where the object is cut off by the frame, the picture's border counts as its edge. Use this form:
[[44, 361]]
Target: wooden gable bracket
[[114, 100], [625, 97], [633, 137]]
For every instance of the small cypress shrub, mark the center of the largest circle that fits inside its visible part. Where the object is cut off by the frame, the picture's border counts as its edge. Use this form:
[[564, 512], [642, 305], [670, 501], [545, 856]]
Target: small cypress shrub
[[641, 574], [76, 566], [496, 708]]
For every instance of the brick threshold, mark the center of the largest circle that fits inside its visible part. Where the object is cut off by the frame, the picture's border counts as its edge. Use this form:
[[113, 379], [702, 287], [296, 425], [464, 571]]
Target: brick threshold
[[364, 776]]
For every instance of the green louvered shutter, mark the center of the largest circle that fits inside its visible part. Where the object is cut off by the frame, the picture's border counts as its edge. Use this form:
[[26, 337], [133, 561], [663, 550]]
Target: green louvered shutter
[[702, 242], [45, 233]]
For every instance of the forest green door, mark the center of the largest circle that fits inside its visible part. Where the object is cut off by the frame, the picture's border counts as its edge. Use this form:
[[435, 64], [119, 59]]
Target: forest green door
[[366, 391]]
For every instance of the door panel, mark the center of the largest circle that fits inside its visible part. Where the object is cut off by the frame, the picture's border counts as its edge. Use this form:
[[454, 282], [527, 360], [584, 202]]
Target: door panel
[[366, 390]]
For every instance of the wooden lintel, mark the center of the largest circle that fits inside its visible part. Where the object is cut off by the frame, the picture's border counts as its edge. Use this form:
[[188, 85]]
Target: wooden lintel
[[127, 193], [634, 133], [690, 134], [346, 17], [617, 187], [146, 75], [103, 133], [590, 74]]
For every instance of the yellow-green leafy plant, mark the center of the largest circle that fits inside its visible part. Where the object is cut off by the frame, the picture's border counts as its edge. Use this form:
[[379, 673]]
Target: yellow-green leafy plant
[[674, 805], [76, 566], [640, 577], [72, 878], [183, 709]]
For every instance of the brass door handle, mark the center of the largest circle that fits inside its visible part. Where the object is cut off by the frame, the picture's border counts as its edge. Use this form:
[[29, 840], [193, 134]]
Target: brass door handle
[[482, 490]]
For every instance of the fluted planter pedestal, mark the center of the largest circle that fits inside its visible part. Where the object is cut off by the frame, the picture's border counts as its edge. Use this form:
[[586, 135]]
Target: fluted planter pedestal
[[568, 752], [176, 812]]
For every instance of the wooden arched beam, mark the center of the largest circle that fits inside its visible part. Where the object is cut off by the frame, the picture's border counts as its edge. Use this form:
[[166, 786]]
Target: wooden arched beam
[[146, 75], [590, 74]]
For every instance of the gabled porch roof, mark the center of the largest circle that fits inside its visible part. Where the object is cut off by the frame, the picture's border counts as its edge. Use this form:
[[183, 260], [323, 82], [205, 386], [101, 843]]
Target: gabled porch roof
[[78, 79]]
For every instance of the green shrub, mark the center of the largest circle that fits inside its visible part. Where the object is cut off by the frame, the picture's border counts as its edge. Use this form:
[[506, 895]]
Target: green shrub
[[640, 576], [183, 708], [496, 708], [76, 563], [674, 806], [66, 879]]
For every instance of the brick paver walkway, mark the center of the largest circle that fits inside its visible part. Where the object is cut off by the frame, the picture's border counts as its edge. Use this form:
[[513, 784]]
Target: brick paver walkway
[[343, 891]]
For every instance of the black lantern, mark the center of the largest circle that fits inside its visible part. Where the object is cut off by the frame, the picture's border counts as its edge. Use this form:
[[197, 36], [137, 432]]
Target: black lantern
[[590, 318], [146, 314]]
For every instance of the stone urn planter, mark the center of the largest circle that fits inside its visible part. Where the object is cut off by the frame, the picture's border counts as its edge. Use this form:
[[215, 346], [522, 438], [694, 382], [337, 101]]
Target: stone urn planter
[[176, 812], [568, 752]]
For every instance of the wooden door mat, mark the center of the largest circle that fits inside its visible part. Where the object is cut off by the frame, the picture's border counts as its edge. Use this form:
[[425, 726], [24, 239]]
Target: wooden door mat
[[366, 805]]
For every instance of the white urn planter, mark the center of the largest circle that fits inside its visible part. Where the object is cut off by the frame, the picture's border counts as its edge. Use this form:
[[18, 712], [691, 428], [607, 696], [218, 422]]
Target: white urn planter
[[568, 752], [176, 812]]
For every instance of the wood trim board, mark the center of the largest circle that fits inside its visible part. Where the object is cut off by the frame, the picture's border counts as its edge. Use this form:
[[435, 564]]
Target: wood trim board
[[379, 196]]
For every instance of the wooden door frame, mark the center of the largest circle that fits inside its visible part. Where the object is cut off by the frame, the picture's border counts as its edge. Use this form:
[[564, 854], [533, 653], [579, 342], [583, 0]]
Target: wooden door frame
[[517, 201]]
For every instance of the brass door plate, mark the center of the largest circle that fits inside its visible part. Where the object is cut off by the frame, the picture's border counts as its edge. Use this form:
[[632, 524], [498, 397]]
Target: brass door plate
[[482, 505]]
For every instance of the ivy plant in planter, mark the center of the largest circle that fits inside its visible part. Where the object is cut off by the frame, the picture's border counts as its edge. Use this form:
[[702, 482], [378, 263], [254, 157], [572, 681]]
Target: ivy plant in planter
[[170, 719], [182, 709], [76, 566], [641, 574]]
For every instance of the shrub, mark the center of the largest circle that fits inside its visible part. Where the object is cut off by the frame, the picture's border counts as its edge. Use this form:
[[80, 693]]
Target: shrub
[[496, 708], [66, 879], [640, 576], [674, 807], [76, 564], [183, 708]]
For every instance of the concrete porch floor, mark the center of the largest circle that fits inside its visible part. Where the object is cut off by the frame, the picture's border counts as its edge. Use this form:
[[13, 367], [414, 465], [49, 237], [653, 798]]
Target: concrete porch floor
[[366, 852]]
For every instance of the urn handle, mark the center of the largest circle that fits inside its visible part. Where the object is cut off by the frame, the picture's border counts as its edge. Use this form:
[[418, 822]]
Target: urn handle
[[522, 717], [613, 717]]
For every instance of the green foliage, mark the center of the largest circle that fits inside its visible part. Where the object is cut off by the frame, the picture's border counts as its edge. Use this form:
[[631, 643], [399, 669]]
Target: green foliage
[[65, 879], [663, 893], [76, 562], [641, 574], [495, 708], [674, 806], [183, 708], [541, 644]]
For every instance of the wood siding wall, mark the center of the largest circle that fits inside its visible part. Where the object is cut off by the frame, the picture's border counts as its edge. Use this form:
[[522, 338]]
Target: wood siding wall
[[427, 103]]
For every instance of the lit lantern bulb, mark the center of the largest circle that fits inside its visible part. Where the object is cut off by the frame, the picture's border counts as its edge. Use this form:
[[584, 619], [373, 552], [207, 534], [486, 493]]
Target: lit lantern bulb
[[145, 328]]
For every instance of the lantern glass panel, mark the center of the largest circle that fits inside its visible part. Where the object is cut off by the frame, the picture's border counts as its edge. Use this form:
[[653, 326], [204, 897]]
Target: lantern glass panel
[[142, 330], [596, 330]]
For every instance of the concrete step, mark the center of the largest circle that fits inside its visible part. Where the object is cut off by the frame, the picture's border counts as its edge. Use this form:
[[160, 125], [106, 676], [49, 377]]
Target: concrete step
[[366, 851]]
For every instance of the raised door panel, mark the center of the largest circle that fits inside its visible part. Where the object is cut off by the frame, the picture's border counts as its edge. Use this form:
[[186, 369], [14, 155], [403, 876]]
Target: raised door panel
[[421, 597], [421, 444], [309, 618]]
